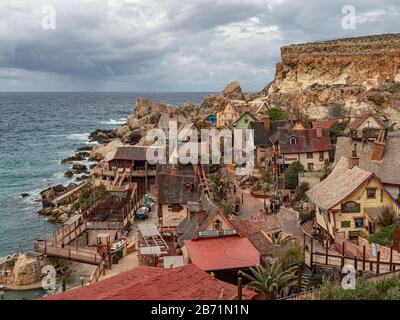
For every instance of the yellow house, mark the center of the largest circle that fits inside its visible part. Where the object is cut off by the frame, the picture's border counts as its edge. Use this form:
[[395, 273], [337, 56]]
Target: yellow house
[[228, 116], [349, 200]]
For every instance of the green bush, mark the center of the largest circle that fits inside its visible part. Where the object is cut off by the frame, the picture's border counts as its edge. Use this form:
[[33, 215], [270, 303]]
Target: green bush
[[384, 235], [385, 289], [291, 175], [337, 130], [276, 114]]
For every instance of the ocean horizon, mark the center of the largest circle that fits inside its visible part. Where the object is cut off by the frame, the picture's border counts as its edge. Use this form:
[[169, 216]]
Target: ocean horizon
[[38, 130]]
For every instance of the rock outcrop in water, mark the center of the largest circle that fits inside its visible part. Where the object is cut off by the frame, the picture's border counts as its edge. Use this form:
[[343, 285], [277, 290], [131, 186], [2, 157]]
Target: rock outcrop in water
[[359, 73]]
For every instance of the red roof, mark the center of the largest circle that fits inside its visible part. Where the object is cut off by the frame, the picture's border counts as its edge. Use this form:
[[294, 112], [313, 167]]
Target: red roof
[[149, 283], [324, 124], [223, 253]]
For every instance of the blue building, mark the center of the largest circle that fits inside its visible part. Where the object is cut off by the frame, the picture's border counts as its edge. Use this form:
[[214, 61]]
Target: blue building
[[211, 119]]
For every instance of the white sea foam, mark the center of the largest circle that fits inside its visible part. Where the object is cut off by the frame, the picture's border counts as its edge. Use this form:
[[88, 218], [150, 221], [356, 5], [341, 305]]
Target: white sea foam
[[114, 122]]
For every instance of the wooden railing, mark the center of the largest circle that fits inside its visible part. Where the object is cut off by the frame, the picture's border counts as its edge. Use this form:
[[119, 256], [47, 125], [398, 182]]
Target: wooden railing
[[97, 272]]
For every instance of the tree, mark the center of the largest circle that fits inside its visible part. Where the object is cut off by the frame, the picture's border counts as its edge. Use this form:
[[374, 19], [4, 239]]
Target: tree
[[337, 130], [227, 207], [271, 281], [387, 217], [220, 186], [301, 191], [292, 174], [276, 114]]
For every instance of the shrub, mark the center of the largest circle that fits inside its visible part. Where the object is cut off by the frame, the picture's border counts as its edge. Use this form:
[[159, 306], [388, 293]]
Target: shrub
[[276, 114], [384, 235], [301, 191], [291, 175]]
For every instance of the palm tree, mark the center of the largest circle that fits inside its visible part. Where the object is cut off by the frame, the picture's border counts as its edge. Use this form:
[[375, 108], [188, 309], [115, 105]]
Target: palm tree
[[220, 186], [271, 281], [387, 217], [227, 207]]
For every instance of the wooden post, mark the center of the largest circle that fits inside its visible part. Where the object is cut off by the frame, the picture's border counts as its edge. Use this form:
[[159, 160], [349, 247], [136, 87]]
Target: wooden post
[[299, 278], [240, 288], [326, 254], [391, 258], [363, 265], [355, 262], [311, 252], [342, 263], [343, 248], [378, 262]]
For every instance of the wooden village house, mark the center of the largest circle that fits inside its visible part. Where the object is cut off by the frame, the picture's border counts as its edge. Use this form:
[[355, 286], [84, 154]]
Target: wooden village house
[[229, 115], [349, 200]]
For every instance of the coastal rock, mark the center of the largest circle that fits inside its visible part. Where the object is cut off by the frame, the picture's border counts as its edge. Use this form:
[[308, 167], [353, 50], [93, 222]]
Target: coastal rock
[[79, 168], [26, 270], [100, 152], [233, 91], [47, 196], [62, 218], [71, 186], [85, 148], [68, 174], [25, 195], [82, 177], [71, 159], [102, 136]]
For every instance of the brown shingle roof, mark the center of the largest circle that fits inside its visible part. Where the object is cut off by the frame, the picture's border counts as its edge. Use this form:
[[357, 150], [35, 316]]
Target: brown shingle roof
[[175, 188], [131, 153], [358, 121], [341, 183], [306, 141], [261, 135]]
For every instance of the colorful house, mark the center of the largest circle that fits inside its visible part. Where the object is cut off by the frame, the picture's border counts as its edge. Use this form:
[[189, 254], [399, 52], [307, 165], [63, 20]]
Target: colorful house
[[263, 131], [364, 126], [228, 116], [244, 121], [349, 200], [211, 119], [310, 147], [217, 246]]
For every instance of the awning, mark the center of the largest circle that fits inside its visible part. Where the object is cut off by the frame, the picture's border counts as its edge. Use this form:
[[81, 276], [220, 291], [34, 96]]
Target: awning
[[373, 214]]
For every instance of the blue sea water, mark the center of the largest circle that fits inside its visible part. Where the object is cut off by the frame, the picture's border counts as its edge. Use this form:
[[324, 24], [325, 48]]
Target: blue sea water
[[37, 130]]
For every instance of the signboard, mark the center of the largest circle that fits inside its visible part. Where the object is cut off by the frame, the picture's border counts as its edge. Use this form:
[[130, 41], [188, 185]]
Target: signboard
[[217, 233], [374, 250], [350, 207]]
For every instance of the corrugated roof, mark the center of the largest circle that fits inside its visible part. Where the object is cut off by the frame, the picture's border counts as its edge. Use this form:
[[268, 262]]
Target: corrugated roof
[[306, 141], [177, 189], [223, 253], [149, 283], [131, 153], [341, 183]]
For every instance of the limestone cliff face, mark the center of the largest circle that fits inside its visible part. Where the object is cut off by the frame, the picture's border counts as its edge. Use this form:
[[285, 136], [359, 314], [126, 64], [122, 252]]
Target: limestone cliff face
[[358, 73]]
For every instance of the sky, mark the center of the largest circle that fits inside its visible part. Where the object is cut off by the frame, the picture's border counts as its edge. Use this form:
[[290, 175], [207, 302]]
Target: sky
[[165, 45]]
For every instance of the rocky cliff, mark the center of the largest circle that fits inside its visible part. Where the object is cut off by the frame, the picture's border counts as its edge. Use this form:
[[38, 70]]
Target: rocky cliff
[[358, 73]]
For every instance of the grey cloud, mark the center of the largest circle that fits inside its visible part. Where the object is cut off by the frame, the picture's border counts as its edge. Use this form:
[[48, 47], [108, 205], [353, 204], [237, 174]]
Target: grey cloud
[[167, 45]]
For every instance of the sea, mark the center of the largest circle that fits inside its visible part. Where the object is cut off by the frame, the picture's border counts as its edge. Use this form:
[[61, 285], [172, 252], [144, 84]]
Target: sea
[[38, 130]]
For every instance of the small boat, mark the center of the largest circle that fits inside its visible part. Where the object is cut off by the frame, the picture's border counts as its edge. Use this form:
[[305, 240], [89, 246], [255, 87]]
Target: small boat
[[118, 245]]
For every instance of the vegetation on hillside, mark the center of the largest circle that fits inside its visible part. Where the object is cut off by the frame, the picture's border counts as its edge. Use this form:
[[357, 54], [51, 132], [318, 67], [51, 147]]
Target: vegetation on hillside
[[277, 114]]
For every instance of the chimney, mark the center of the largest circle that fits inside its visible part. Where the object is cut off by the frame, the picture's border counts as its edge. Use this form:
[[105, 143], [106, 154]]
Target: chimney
[[319, 131], [378, 148], [267, 124], [354, 160]]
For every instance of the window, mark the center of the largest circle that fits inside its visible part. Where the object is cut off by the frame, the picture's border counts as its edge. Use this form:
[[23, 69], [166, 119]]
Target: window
[[310, 155], [359, 222], [368, 125], [310, 166], [371, 193], [217, 224], [292, 141], [345, 224], [175, 208], [321, 156]]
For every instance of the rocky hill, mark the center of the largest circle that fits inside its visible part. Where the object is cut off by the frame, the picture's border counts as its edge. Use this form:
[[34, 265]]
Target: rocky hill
[[358, 73]]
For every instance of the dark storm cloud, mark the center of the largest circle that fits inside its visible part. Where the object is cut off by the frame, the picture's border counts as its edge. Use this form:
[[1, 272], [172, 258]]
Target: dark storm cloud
[[167, 45]]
